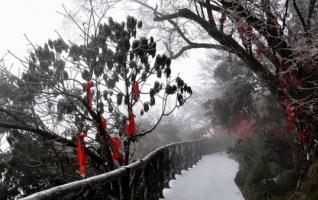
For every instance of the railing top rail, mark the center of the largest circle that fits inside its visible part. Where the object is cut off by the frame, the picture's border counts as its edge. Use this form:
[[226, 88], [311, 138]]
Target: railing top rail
[[106, 177], [154, 152], [109, 176]]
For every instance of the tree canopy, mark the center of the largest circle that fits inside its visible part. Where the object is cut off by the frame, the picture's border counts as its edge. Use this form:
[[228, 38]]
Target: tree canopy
[[83, 97], [274, 39]]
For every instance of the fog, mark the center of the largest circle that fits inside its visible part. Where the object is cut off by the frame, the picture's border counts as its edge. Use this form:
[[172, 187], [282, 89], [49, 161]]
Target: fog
[[91, 86], [39, 21]]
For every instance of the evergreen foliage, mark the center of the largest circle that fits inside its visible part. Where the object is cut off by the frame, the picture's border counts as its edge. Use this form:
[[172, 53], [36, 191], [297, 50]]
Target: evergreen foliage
[[44, 111]]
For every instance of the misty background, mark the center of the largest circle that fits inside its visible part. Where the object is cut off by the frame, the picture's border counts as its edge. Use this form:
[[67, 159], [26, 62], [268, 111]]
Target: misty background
[[229, 102], [46, 19]]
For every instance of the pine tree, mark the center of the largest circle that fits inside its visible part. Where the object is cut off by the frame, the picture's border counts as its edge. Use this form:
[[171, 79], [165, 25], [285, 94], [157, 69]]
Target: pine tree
[[86, 99]]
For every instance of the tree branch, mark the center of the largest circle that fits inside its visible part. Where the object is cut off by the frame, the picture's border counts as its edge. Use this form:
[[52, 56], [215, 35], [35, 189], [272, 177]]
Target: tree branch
[[187, 40], [268, 32], [197, 46], [285, 14], [228, 42], [51, 136], [311, 8], [12, 115], [211, 7], [210, 13], [300, 16]]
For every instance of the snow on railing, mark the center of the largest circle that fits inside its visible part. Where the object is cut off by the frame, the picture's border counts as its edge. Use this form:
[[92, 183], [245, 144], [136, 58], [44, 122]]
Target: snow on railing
[[143, 180]]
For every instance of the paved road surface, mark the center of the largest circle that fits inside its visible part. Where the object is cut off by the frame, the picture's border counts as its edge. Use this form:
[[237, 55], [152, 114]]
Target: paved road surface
[[211, 179]]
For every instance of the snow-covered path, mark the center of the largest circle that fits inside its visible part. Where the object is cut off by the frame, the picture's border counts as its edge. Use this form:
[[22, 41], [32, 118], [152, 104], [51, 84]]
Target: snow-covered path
[[211, 179]]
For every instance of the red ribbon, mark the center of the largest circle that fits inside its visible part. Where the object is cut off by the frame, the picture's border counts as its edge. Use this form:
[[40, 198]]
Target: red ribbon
[[104, 123], [89, 95], [302, 137], [288, 80], [131, 128], [230, 55], [116, 143], [259, 52], [136, 90], [241, 30], [293, 81], [81, 153], [223, 18], [277, 27], [290, 114]]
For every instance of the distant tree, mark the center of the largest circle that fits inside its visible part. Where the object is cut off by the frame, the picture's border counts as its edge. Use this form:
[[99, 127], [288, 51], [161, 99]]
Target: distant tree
[[236, 102], [266, 152], [243, 104], [86, 96]]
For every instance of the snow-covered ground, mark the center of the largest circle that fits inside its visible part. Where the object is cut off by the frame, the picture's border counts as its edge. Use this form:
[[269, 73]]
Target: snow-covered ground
[[211, 179]]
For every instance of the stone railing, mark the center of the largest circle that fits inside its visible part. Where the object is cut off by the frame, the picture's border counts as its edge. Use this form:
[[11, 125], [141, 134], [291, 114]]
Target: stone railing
[[142, 180]]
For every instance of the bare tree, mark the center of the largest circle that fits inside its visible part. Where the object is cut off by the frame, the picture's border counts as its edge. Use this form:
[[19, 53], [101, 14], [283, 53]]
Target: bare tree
[[275, 39]]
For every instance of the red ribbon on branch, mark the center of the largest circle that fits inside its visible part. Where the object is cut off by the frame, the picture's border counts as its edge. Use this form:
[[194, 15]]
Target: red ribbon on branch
[[249, 32], [290, 115], [117, 143], [293, 81], [303, 137], [81, 153], [104, 123], [131, 127], [229, 55], [223, 17], [258, 53], [288, 80], [136, 91], [241, 30], [89, 94], [277, 26]]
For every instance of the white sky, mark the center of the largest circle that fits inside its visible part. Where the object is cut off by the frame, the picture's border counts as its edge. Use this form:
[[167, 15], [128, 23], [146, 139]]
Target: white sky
[[38, 19]]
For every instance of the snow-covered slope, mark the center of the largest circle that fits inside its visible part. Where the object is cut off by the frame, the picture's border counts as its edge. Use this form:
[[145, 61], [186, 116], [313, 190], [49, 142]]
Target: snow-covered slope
[[211, 179]]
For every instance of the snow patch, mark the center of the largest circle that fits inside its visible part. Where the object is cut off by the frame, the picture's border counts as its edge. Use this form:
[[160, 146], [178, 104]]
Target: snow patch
[[211, 179]]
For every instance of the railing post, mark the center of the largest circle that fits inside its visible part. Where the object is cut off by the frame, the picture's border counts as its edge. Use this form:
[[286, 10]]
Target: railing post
[[189, 157], [166, 166], [138, 185], [197, 151], [178, 161], [162, 169], [185, 157], [156, 178], [147, 181], [111, 190], [150, 180], [173, 170], [125, 185], [191, 149]]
